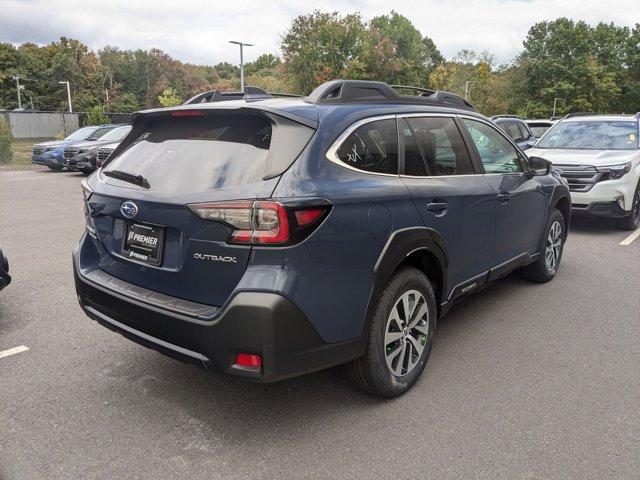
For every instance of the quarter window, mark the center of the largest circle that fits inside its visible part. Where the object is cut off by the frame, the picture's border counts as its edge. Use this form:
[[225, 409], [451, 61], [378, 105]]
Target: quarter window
[[372, 147], [442, 148], [496, 153]]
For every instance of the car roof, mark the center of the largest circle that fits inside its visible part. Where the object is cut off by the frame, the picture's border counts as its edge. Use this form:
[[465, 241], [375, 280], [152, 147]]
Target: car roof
[[356, 99], [595, 118], [298, 109]]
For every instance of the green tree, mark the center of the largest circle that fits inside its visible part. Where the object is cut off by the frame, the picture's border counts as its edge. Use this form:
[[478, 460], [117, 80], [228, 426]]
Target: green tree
[[95, 116], [169, 98], [410, 51], [265, 65], [576, 63], [323, 46]]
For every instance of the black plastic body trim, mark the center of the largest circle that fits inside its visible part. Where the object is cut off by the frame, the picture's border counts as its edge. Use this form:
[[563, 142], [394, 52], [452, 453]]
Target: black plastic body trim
[[399, 246], [260, 323], [600, 209]]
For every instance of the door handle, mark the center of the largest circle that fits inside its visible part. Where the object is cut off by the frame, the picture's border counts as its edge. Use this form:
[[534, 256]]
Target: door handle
[[504, 197], [438, 208]]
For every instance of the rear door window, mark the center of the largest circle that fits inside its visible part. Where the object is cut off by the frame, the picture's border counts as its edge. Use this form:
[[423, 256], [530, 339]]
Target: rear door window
[[442, 147], [198, 153]]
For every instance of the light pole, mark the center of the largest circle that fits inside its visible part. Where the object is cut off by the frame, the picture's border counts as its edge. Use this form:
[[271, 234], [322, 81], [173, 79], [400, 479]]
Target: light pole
[[68, 95], [467, 87], [19, 87], [555, 101], [241, 61]]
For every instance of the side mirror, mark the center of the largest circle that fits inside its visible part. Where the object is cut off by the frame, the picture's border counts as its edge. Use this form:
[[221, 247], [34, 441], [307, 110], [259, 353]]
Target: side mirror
[[539, 166]]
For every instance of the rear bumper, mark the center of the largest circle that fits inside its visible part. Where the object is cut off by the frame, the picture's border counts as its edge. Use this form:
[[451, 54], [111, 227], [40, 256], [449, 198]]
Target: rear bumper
[[260, 323]]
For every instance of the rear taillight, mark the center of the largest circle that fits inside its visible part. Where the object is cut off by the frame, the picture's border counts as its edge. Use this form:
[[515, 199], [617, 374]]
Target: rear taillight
[[263, 222]]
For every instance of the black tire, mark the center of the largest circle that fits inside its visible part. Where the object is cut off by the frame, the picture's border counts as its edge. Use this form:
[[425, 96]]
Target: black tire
[[539, 271], [632, 221], [371, 372], [86, 171], [55, 168]]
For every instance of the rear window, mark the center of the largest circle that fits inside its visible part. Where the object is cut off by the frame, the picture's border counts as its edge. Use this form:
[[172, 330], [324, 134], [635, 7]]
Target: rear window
[[198, 153], [539, 129]]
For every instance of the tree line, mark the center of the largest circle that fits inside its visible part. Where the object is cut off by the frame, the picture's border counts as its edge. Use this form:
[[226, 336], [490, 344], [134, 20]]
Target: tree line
[[577, 66]]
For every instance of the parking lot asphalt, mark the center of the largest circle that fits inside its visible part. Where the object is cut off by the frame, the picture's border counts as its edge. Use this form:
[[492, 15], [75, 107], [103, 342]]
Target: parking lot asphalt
[[524, 381]]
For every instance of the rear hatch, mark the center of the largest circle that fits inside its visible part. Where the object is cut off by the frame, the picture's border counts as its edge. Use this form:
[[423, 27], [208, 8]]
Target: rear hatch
[[143, 204]]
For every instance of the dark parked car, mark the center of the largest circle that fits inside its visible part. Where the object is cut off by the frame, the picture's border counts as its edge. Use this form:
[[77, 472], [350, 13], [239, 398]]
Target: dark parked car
[[517, 130], [83, 156], [51, 153], [5, 279], [269, 238]]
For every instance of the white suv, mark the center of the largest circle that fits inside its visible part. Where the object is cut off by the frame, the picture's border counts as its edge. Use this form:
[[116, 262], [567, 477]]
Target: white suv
[[599, 156]]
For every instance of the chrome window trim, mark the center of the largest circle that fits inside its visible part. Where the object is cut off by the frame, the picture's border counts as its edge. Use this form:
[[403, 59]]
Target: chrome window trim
[[332, 152], [332, 156]]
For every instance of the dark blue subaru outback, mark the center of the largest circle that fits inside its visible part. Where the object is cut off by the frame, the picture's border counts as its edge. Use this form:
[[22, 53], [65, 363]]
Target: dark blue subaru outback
[[271, 237]]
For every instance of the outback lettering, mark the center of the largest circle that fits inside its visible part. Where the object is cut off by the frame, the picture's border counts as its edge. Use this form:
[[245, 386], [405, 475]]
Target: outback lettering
[[214, 258]]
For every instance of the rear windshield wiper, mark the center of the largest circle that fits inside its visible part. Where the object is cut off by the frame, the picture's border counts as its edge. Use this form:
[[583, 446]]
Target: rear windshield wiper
[[128, 177]]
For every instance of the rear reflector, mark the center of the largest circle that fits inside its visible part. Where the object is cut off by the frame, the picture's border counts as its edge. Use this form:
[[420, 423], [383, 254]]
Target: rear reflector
[[248, 360]]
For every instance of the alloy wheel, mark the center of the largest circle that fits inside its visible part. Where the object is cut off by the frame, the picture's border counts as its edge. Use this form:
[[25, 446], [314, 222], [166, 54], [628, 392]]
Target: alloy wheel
[[554, 247], [635, 210], [406, 333]]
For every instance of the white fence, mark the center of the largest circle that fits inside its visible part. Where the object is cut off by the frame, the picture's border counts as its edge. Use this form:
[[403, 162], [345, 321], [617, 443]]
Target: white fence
[[26, 125]]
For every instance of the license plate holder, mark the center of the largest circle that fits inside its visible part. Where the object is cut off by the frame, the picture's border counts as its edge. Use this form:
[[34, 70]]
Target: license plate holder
[[143, 243]]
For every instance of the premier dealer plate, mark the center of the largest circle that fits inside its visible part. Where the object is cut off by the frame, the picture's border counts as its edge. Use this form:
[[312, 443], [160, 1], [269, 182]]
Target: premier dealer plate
[[143, 243]]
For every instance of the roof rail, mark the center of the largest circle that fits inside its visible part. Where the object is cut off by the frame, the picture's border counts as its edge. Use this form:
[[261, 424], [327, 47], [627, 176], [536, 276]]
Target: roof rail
[[249, 94], [504, 116], [284, 94], [365, 91], [638, 116], [579, 114], [415, 89]]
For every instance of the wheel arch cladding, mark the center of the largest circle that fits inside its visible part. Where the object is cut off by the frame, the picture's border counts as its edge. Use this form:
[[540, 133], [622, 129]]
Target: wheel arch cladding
[[419, 247], [564, 205]]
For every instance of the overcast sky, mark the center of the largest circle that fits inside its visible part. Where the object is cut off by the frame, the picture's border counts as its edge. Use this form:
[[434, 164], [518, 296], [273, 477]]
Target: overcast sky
[[197, 31]]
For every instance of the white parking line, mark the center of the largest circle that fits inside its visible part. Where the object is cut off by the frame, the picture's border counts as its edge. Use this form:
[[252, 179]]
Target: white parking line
[[13, 351], [631, 238]]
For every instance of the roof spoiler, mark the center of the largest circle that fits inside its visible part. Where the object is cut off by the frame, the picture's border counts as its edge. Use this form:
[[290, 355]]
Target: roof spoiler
[[365, 91]]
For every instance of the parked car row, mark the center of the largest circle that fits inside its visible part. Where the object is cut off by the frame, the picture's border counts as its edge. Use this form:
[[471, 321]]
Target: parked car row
[[597, 154], [80, 151]]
